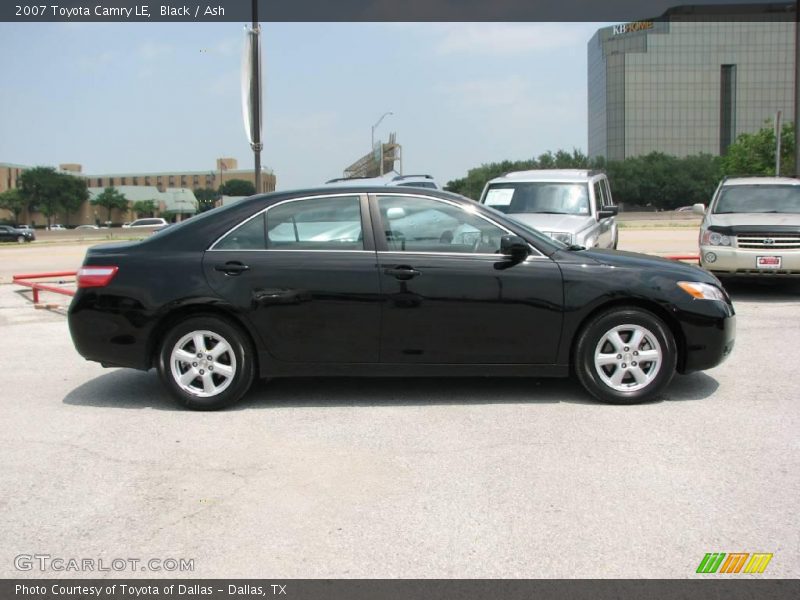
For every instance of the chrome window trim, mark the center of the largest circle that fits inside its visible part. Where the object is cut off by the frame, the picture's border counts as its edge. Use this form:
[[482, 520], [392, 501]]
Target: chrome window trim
[[459, 206], [212, 247], [288, 250], [481, 254]]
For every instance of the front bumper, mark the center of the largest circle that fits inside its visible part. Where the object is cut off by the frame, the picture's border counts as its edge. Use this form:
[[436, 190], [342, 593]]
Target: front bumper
[[709, 331], [744, 262]]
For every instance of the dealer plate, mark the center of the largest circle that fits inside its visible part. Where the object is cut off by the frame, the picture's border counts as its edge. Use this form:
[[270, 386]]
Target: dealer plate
[[768, 262]]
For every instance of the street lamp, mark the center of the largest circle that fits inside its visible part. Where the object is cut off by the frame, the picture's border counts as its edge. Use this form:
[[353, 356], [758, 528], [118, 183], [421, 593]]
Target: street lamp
[[380, 154]]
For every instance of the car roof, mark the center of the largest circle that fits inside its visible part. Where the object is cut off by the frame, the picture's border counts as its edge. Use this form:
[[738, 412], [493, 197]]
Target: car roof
[[761, 181], [565, 175]]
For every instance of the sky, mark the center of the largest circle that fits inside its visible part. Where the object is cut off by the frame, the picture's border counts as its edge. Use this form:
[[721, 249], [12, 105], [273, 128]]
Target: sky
[[134, 97]]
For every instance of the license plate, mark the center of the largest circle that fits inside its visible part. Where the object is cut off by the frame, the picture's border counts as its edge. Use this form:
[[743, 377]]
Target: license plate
[[768, 262]]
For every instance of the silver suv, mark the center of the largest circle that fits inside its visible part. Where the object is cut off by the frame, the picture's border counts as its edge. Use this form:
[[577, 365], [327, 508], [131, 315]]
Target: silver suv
[[752, 227], [572, 206]]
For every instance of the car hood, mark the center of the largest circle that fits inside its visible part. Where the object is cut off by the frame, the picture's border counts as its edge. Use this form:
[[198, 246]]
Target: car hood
[[646, 262], [549, 222], [757, 219]]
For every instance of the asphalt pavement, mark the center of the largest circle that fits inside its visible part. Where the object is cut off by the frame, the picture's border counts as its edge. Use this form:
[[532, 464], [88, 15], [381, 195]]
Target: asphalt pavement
[[462, 478]]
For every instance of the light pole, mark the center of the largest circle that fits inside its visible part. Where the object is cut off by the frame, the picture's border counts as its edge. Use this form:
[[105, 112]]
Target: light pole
[[257, 145], [372, 147]]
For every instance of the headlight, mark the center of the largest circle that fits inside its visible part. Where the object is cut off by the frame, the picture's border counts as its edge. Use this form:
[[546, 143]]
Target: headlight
[[566, 238], [714, 238], [702, 291]]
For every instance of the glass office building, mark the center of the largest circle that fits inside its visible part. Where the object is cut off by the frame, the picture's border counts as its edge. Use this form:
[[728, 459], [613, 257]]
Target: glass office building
[[684, 87]]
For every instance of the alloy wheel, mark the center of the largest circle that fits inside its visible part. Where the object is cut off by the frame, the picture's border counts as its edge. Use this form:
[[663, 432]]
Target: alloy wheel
[[203, 363], [628, 358]]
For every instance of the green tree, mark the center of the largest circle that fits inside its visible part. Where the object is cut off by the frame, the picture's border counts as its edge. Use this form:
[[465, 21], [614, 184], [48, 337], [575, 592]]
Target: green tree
[[662, 181], [657, 180], [206, 199], [472, 185], [14, 201], [144, 208], [109, 199], [754, 153], [237, 187], [39, 186], [72, 193]]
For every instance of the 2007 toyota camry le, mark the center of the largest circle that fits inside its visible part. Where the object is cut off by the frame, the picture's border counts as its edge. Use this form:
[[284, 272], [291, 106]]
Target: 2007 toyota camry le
[[365, 282]]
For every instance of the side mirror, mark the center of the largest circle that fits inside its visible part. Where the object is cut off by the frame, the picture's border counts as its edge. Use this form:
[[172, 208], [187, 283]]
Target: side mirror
[[608, 211], [699, 208], [514, 247], [396, 212]]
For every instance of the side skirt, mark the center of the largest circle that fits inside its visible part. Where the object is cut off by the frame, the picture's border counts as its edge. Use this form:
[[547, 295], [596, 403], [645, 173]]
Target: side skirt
[[272, 368]]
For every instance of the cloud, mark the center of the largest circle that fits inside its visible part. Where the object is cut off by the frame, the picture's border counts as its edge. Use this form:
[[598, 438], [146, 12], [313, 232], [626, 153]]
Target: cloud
[[510, 103], [488, 93], [227, 83], [96, 61], [151, 50], [498, 39], [228, 47]]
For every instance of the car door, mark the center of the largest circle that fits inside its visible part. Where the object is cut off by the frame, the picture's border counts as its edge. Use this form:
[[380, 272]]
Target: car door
[[304, 274], [449, 297]]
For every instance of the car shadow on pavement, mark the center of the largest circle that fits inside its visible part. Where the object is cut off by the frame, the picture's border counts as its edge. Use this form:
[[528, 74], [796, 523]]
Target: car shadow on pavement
[[123, 388], [763, 290]]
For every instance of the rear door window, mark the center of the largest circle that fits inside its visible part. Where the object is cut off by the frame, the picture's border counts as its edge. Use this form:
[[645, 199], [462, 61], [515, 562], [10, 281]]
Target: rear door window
[[328, 223]]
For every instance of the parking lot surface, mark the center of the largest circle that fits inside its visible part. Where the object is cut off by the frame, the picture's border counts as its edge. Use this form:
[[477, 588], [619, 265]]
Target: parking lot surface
[[402, 477]]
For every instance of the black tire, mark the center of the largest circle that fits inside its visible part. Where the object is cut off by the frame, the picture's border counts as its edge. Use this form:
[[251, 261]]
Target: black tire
[[642, 380], [20, 239], [236, 358]]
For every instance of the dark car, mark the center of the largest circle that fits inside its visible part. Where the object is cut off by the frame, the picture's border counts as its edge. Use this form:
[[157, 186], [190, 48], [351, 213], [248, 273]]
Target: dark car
[[14, 234], [328, 282]]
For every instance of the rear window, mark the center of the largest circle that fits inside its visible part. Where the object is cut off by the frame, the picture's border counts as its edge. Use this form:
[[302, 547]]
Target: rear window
[[539, 197], [759, 199]]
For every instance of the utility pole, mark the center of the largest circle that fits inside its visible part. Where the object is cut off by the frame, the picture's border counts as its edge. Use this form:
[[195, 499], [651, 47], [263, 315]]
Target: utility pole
[[255, 91], [778, 144]]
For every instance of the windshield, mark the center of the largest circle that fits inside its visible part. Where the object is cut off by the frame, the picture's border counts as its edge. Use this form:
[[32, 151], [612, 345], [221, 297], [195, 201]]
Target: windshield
[[759, 199], [539, 197]]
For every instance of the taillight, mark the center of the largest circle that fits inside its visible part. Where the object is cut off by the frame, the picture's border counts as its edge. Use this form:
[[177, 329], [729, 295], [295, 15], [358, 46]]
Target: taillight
[[95, 276]]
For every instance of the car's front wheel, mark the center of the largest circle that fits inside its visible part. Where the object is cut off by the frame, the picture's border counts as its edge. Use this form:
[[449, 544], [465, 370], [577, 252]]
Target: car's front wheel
[[206, 363], [625, 356], [20, 239]]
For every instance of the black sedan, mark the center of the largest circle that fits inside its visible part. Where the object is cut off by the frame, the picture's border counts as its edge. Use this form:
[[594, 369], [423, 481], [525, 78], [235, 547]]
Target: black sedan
[[365, 281], [14, 234]]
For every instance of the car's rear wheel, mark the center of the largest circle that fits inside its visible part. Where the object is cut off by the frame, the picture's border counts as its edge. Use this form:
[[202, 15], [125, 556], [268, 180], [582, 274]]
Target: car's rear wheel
[[625, 356], [206, 362]]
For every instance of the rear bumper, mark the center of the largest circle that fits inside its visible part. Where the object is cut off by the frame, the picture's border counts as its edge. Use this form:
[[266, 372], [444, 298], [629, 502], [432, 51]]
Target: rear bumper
[[744, 262], [112, 336]]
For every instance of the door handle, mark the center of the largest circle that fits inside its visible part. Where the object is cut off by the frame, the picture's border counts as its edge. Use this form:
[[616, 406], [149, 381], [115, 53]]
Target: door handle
[[232, 268], [402, 272]]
